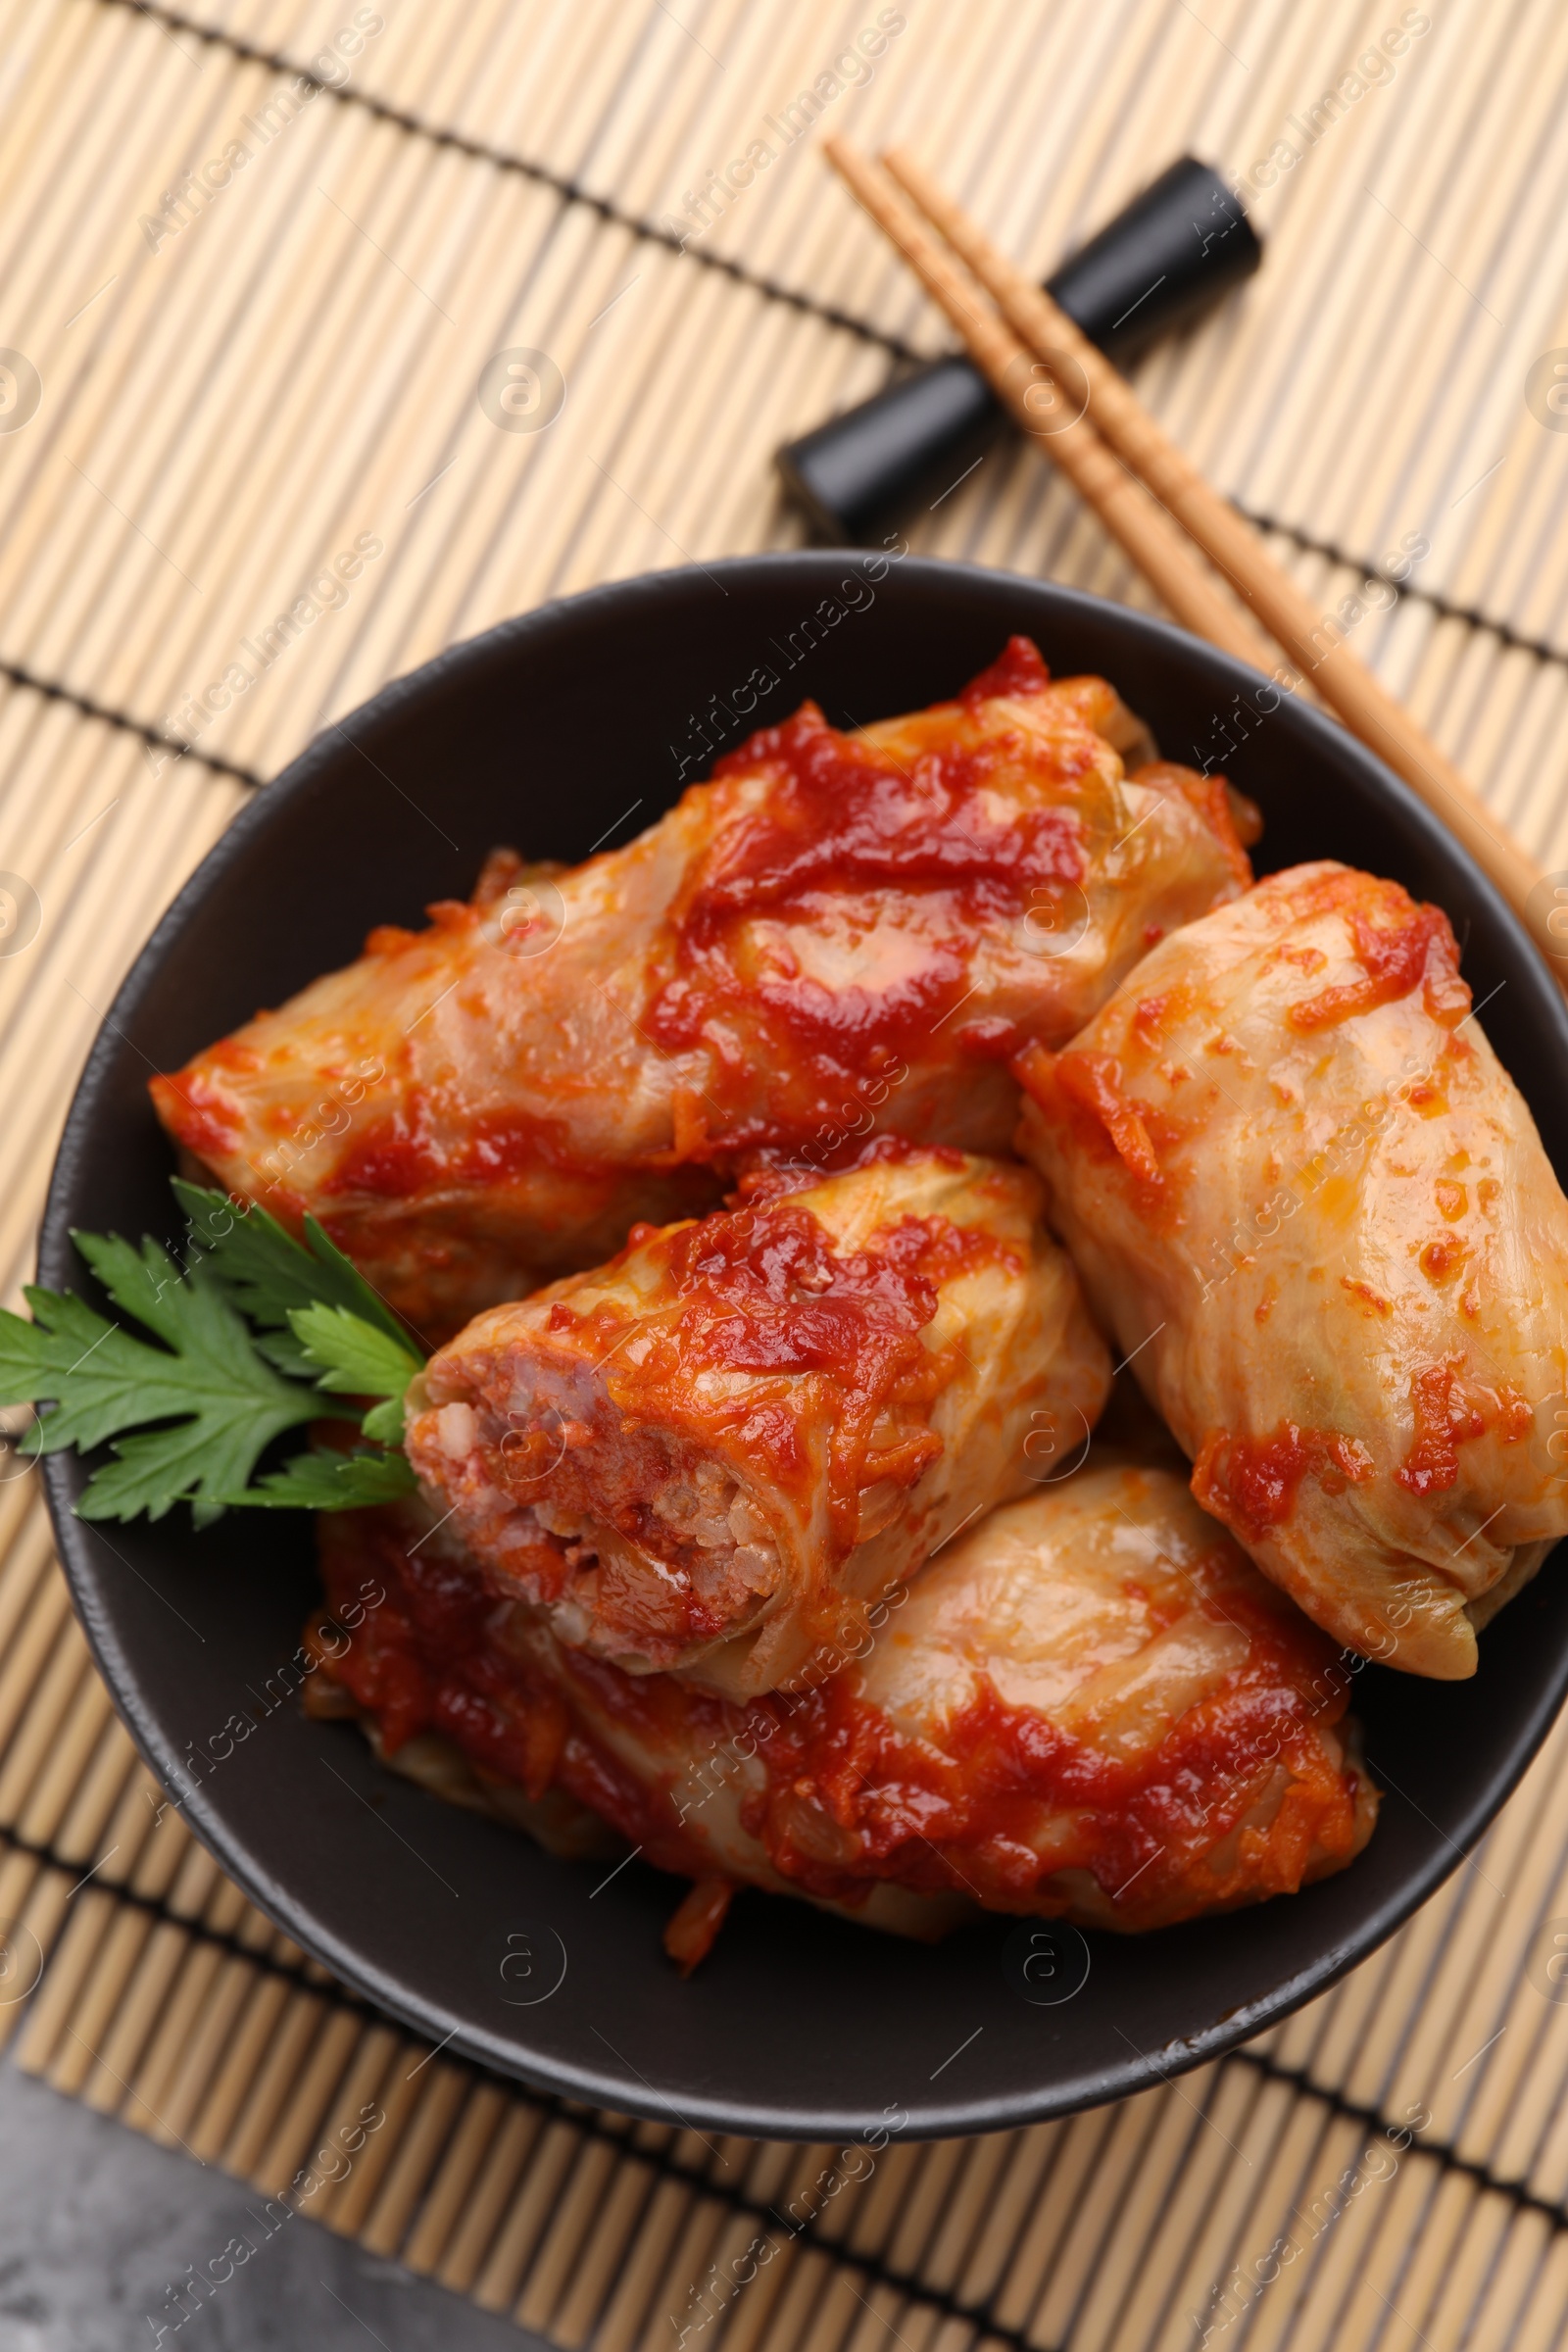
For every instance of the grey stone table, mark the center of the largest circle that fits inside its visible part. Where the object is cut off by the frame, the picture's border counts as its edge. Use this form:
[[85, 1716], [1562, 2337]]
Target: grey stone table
[[96, 2223]]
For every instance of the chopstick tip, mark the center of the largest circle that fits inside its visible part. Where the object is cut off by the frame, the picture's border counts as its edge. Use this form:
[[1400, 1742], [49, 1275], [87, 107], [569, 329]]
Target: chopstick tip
[[862, 177]]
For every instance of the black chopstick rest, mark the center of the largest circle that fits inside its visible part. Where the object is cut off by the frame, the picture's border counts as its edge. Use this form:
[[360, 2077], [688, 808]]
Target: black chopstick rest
[[1160, 264]]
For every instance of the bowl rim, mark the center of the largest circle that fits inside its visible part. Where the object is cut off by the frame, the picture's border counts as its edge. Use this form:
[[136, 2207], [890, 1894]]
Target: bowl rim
[[357, 1971]]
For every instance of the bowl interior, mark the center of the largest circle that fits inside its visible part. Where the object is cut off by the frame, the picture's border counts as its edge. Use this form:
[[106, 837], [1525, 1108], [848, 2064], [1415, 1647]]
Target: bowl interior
[[570, 729]]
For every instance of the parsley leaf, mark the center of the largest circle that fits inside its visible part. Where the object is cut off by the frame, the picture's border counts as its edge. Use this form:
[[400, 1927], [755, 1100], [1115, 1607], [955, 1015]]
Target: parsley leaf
[[259, 1333], [323, 1481], [351, 1357], [227, 1402], [269, 1273]]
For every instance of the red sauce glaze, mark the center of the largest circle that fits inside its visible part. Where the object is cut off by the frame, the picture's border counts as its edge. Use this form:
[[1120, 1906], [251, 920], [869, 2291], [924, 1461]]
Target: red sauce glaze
[[690, 1935], [842, 1800], [446, 914], [992, 1040], [769, 1295], [1218, 805], [392, 1160], [764, 1292], [1151, 1015], [389, 939], [771, 1172], [932, 1817], [1016, 670], [428, 1656], [190, 1110], [431, 1613], [1409, 946], [1251, 1484], [1443, 1257], [1448, 1411], [401, 1156], [1092, 1083], [1429, 1101], [846, 819]]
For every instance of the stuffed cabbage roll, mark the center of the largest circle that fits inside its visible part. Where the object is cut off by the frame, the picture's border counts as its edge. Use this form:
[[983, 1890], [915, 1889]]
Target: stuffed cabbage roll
[[715, 1451], [1091, 1707], [840, 934], [1314, 1209]]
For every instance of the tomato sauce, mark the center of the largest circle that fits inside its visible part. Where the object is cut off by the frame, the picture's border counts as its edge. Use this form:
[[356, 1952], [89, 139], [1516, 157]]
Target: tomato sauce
[[1016, 670], [1409, 946], [1450, 1411], [846, 819], [1251, 1484], [402, 1154], [203, 1120], [835, 1795], [1094, 1081], [1085, 1088], [760, 1291]]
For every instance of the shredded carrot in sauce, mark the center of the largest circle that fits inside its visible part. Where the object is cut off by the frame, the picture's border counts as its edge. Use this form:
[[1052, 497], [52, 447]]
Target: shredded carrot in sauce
[[1449, 1411], [837, 1796], [1251, 1484], [1409, 946], [1094, 1081], [694, 1926]]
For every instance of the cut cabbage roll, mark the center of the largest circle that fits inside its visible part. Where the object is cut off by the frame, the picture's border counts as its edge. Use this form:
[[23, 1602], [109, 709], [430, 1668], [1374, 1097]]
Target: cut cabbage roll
[[1315, 1212], [840, 934], [715, 1451], [1089, 1707]]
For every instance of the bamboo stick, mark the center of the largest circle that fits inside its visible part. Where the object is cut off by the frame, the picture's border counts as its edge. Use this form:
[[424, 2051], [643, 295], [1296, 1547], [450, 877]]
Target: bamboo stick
[[1153, 541], [1234, 546]]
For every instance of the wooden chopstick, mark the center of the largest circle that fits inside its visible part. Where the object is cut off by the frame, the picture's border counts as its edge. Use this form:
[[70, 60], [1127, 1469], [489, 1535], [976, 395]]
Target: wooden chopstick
[[1178, 494], [1231, 544], [1159, 547]]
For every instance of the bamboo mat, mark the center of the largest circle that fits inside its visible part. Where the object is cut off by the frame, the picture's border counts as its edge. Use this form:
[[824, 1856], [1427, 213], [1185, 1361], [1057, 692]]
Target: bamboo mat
[[230, 400]]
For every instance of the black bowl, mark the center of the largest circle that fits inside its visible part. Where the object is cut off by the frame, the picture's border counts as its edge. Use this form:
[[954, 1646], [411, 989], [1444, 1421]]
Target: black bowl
[[572, 726]]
